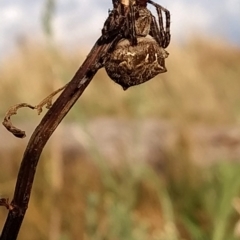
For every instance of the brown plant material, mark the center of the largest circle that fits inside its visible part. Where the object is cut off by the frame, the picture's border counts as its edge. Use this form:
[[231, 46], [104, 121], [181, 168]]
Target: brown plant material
[[5, 202], [13, 110], [73, 90], [115, 25]]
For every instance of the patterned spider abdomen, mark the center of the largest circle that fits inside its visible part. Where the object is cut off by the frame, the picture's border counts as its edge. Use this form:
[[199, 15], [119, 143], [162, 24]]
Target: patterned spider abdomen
[[132, 65]]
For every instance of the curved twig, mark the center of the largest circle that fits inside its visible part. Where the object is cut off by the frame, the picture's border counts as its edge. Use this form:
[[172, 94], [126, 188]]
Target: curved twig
[[73, 90], [42, 133], [7, 119], [13, 110]]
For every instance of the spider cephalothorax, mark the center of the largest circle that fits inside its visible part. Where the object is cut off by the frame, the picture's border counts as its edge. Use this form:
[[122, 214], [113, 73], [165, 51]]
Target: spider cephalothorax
[[140, 54]]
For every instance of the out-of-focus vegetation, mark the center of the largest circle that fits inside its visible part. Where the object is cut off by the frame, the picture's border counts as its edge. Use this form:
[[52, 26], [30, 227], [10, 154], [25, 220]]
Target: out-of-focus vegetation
[[201, 84], [89, 199]]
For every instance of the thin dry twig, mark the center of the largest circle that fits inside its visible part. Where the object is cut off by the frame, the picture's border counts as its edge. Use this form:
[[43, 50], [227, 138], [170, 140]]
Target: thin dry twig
[[5, 202], [7, 119], [44, 130], [48, 100], [13, 111], [40, 137], [58, 110]]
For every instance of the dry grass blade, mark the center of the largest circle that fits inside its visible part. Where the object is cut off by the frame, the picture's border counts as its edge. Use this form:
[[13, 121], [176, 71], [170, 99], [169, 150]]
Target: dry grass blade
[[13, 110]]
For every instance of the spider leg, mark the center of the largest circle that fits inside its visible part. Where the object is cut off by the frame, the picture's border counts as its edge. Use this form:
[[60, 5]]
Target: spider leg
[[155, 32], [164, 33], [114, 22], [119, 24], [121, 20], [160, 25], [115, 3], [131, 25]]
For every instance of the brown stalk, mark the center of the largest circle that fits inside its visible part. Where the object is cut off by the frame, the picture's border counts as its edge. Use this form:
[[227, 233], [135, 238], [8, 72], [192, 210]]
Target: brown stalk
[[57, 111], [40, 136]]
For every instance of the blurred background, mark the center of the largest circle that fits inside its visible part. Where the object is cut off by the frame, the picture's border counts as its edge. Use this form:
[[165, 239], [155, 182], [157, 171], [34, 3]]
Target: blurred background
[[159, 161]]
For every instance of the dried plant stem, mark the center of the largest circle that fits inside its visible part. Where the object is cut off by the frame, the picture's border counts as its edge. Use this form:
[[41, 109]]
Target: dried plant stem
[[13, 110], [72, 91], [42, 133]]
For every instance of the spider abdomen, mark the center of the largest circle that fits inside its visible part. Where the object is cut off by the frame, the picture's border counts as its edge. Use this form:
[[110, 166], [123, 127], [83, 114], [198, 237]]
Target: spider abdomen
[[132, 65]]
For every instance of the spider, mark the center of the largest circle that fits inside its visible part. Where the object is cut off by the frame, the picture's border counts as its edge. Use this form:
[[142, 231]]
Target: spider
[[140, 41]]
